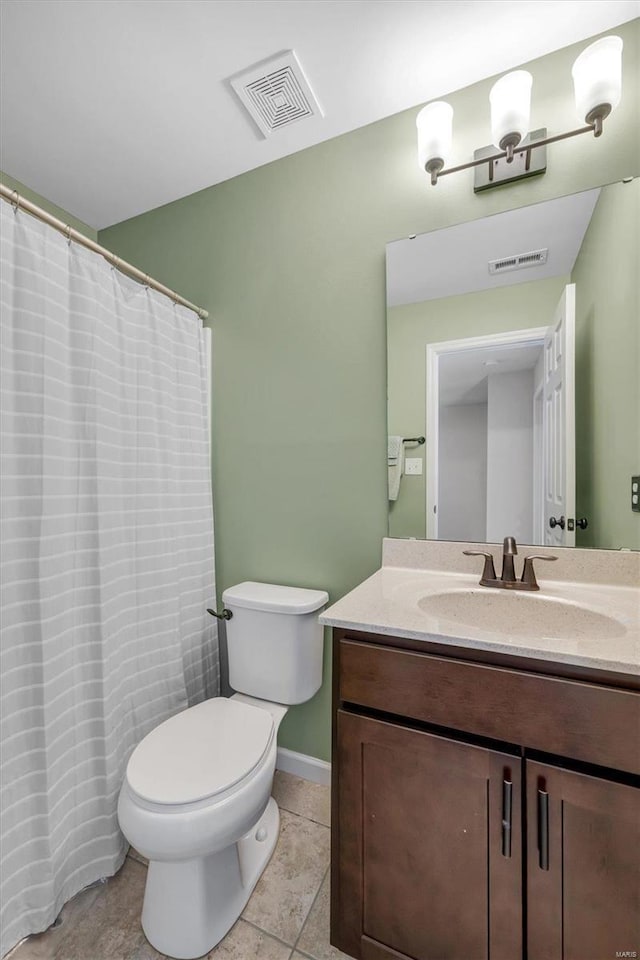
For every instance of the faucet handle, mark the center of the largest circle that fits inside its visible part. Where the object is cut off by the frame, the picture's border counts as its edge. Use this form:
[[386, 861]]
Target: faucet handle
[[488, 571], [528, 573]]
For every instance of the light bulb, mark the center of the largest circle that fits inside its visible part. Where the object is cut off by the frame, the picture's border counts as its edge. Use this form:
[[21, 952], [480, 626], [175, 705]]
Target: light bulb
[[510, 100], [597, 80], [435, 134]]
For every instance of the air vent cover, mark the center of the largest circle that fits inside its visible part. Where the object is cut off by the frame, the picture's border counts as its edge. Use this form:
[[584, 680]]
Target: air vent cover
[[534, 258], [276, 93]]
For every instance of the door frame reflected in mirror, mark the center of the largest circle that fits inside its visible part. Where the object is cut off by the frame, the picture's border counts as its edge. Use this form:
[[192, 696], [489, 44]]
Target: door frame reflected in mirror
[[533, 336]]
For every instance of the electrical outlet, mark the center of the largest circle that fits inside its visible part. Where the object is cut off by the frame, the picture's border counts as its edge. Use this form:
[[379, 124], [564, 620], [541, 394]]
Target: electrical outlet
[[635, 494], [413, 466]]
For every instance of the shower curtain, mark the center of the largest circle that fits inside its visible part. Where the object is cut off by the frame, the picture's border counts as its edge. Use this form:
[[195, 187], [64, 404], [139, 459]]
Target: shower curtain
[[107, 553]]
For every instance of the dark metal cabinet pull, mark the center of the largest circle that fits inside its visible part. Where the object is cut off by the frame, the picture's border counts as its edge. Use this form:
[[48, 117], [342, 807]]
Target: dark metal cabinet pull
[[543, 829], [507, 802]]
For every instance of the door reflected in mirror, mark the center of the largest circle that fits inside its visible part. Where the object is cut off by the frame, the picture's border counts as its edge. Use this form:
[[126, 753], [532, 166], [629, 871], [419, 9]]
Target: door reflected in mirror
[[514, 348]]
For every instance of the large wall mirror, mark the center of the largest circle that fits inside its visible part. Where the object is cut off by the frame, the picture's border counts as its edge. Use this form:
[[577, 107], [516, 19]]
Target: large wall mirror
[[513, 347]]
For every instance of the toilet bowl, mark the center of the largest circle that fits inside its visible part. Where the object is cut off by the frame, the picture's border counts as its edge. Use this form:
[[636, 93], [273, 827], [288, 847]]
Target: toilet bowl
[[196, 798], [196, 803]]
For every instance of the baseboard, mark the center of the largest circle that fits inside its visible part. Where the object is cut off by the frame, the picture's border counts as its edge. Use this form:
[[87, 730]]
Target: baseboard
[[301, 765]]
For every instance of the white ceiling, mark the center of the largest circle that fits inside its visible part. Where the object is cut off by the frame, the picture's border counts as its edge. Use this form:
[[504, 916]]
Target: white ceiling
[[464, 376], [455, 260], [113, 107]]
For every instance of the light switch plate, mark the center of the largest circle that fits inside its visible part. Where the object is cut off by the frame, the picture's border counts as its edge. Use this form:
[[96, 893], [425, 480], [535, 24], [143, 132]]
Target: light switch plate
[[413, 466]]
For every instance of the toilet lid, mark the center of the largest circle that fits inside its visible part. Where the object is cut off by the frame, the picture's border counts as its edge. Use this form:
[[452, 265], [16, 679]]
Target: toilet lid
[[200, 752]]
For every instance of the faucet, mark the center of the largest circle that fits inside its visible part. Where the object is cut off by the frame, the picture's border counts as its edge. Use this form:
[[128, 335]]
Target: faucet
[[507, 579], [509, 551]]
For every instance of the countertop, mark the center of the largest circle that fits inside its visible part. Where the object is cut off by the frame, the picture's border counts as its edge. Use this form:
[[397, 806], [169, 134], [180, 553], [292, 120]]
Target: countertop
[[388, 603]]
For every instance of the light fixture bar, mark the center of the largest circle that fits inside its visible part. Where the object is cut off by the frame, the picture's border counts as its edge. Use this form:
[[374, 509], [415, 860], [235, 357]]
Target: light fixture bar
[[597, 80], [595, 128]]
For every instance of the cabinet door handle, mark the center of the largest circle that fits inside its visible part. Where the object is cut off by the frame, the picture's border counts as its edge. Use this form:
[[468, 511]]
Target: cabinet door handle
[[507, 795], [543, 829]]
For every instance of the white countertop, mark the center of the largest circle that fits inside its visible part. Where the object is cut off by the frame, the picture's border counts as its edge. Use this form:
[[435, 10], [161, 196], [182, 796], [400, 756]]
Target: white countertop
[[395, 601]]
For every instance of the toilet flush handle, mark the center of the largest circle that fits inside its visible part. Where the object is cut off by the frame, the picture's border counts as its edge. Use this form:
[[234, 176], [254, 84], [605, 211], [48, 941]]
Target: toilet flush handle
[[225, 615]]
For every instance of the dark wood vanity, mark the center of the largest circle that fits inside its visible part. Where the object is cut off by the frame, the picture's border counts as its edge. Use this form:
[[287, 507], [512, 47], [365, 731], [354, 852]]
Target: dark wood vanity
[[484, 805]]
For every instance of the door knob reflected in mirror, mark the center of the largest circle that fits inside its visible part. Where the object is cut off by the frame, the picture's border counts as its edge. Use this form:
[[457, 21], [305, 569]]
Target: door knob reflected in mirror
[[582, 523], [553, 523]]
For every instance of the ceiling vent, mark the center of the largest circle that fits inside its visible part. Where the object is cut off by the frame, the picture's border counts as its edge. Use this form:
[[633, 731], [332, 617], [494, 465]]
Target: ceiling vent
[[276, 93], [534, 258]]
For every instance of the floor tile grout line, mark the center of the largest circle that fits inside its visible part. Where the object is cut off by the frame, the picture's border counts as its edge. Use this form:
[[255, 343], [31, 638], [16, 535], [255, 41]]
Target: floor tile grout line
[[301, 816], [320, 823], [313, 903], [267, 933]]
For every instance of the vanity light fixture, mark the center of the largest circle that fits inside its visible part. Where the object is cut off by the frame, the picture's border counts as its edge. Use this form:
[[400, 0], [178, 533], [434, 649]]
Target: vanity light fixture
[[516, 152]]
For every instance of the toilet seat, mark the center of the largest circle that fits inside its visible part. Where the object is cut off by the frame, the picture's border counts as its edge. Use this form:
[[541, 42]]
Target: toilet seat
[[200, 753]]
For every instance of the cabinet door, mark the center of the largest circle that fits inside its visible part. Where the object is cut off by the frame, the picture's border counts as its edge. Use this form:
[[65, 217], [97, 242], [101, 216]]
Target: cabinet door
[[427, 855], [583, 868]]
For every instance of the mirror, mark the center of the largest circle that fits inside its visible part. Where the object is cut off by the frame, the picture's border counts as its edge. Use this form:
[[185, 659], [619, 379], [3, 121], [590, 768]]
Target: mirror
[[513, 349]]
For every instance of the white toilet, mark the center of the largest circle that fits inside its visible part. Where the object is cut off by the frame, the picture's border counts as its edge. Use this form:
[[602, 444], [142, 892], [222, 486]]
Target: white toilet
[[196, 799]]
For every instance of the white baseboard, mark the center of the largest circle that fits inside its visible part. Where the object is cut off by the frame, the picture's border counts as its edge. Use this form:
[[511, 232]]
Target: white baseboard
[[301, 765]]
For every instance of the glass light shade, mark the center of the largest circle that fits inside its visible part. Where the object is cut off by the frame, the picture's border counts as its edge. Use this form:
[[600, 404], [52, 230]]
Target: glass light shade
[[597, 76], [510, 100], [435, 132]]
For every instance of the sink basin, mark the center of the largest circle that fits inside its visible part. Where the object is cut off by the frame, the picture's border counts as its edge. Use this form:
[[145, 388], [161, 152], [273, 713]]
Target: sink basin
[[520, 615]]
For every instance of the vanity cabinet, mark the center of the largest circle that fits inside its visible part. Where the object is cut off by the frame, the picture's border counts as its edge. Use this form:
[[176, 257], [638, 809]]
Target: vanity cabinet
[[481, 809]]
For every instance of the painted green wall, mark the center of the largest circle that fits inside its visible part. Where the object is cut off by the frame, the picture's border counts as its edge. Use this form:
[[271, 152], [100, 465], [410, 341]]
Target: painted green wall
[[608, 359], [410, 328], [290, 261], [51, 208]]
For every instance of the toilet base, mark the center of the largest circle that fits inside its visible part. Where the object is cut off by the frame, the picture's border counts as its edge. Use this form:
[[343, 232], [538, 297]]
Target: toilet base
[[190, 905]]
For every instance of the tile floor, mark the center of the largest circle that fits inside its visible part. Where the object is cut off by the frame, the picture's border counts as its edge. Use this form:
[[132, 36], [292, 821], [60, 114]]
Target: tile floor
[[287, 917]]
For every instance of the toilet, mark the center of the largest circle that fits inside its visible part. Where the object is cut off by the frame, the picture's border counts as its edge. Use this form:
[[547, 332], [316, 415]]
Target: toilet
[[196, 798]]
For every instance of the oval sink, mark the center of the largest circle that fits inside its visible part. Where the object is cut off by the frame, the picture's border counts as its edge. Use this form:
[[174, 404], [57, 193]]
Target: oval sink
[[520, 615]]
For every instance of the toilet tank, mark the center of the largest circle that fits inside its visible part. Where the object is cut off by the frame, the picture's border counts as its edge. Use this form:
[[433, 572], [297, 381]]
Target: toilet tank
[[274, 641]]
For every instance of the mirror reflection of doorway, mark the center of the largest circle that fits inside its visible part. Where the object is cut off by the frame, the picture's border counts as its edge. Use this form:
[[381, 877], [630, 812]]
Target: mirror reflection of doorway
[[486, 453], [501, 426]]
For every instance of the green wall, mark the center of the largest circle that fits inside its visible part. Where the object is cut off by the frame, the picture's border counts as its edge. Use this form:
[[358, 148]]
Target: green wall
[[608, 360], [290, 261], [410, 328], [51, 208]]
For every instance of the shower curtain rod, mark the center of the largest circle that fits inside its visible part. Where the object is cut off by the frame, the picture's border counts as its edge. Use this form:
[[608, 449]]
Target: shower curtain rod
[[14, 198]]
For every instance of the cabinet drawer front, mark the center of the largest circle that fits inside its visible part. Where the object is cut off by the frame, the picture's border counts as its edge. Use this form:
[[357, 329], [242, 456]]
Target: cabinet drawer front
[[590, 722]]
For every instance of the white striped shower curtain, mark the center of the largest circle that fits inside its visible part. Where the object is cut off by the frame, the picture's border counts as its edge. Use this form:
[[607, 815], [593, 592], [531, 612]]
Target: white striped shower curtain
[[107, 553]]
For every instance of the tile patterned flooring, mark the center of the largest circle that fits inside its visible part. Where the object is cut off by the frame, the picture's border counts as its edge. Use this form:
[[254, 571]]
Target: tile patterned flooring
[[287, 917]]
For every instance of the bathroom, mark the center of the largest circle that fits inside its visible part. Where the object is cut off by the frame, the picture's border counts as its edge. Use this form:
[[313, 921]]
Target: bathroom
[[286, 252]]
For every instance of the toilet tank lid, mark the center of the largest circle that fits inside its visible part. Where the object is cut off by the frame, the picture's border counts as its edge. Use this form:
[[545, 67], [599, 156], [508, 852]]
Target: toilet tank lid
[[274, 598]]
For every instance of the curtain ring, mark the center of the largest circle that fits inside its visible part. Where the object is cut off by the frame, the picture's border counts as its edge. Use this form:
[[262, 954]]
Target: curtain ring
[[15, 203], [67, 231]]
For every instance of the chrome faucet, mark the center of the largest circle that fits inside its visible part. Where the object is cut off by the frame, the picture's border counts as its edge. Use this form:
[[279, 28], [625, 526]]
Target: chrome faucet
[[507, 579]]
